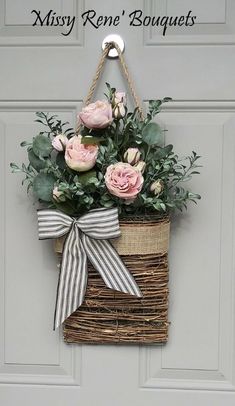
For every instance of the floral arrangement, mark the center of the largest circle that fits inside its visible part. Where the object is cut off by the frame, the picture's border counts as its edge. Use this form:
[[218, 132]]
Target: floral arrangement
[[116, 159]]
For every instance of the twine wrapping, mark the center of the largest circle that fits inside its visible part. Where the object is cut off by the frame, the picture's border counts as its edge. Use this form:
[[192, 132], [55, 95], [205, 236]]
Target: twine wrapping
[[87, 237]]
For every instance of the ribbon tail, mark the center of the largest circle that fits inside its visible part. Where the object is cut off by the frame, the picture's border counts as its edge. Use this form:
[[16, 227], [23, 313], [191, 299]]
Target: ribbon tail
[[111, 268], [73, 278]]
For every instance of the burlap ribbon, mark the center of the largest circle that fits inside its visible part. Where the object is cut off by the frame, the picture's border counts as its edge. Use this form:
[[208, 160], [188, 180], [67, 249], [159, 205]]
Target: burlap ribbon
[[87, 237]]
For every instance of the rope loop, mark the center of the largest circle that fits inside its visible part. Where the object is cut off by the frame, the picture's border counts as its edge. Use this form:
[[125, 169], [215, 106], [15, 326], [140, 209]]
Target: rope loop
[[111, 45]]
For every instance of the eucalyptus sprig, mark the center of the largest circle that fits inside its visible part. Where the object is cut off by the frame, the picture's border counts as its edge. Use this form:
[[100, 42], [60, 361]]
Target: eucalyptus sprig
[[60, 179]]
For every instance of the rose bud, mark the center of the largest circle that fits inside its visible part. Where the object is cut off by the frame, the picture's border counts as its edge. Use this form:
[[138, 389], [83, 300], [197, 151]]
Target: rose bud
[[141, 165], [80, 157], [59, 142], [132, 156], [120, 97], [97, 115], [119, 111], [119, 103], [56, 194], [157, 187]]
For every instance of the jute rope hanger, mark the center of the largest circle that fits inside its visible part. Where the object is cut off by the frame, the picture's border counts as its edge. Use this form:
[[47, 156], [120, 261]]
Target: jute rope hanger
[[110, 45]]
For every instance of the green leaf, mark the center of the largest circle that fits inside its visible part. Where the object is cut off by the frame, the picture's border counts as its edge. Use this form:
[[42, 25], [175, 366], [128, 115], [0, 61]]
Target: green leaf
[[108, 86], [36, 162], [43, 186], [40, 121], [105, 198], [194, 196], [168, 148], [25, 143], [40, 114], [152, 134], [91, 140], [157, 206], [166, 99], [163, 206], [65, 207], [61, 161], [155, 103], [161, 153], [108, 204], [14, 167], [29, 187], [42, 146], [86, 177]]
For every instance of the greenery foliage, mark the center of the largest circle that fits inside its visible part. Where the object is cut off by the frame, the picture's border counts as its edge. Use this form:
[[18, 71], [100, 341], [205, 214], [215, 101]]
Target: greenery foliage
[[82, 191]]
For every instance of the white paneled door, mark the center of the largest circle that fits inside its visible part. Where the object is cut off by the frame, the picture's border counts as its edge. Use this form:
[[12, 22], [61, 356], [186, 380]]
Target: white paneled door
[[41, 69]]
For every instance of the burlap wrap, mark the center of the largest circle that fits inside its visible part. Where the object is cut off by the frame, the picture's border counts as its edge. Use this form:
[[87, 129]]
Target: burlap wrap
[[137, 237]]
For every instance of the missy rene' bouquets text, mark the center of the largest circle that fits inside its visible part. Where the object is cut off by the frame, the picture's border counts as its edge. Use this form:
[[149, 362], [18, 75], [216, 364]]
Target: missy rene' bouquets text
[[91, 18]]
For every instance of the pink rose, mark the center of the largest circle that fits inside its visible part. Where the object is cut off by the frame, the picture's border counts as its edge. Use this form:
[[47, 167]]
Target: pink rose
[[80, 157], [96, 115], [59, 142], [123, 180]]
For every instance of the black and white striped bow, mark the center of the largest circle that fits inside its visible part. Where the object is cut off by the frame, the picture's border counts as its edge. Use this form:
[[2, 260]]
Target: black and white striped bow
[[87, 237]]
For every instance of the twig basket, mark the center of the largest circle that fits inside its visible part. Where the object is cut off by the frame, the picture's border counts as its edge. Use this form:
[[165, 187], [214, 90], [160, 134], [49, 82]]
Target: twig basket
[[108, 316]]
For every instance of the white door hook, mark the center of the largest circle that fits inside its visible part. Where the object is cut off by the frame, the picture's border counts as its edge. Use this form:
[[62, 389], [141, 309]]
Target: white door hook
[[113, 38]]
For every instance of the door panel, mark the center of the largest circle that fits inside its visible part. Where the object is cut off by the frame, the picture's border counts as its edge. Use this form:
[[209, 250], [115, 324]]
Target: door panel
[[200, 351], [31, 352]]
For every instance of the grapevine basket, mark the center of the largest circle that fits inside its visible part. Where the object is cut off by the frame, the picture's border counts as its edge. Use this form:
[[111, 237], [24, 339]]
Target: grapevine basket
[[108, 316]]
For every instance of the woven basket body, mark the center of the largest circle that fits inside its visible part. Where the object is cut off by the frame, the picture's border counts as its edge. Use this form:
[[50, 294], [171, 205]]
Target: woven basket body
[[107, 316]]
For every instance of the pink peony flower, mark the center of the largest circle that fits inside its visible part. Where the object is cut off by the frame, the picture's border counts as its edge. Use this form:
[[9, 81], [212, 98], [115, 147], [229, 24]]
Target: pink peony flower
[[96, 115], [80, 157], [123, 180], [59, 142]]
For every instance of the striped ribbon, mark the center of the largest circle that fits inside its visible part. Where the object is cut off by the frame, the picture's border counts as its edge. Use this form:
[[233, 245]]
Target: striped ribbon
[[87, 237]]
